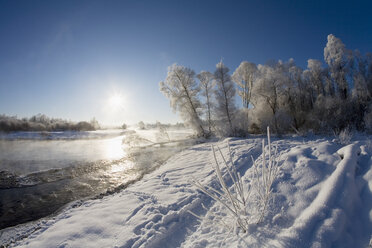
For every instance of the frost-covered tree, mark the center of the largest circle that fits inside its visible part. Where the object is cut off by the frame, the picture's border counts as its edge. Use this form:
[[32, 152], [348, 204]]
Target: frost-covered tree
[[207, 84], [298, 101], [94, 123], [225, 99], [141, 125], [244, 77], [325, 98], [337, 57], [361, 96], [315, 76], [360, 91], [369, 72], [183, 92], [268, 90]]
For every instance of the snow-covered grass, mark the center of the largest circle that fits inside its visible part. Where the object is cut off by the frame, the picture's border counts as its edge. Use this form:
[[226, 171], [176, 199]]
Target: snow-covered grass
[[345, 136], [264, 179], [237, 198], [322, 198], [234, 199]]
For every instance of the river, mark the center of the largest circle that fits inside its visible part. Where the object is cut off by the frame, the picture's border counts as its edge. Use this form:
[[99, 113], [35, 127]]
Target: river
[[42, 172]]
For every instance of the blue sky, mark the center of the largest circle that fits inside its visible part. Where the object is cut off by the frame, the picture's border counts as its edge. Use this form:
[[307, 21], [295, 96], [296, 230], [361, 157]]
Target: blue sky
[[67, 58]]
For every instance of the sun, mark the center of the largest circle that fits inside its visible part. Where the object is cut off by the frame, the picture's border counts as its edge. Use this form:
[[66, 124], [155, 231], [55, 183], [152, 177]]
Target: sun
[[116, 101]]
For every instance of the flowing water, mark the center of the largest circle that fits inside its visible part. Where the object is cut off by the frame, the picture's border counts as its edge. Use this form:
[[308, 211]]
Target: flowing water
[[41, 173]]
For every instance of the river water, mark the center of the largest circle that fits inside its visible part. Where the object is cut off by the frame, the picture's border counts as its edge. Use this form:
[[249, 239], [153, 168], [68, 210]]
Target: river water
[[42, 172]]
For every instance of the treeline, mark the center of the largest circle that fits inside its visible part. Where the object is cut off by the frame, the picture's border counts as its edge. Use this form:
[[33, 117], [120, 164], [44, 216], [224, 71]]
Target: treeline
[[158, 125], [42, 122], [278, 94]]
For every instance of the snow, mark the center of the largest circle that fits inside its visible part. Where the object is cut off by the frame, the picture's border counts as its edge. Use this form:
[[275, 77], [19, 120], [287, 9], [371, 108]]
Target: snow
[[321, 198]]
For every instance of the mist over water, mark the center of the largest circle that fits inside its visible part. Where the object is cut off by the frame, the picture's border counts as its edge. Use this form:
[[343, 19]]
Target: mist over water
[[28, 156], [38, 177]]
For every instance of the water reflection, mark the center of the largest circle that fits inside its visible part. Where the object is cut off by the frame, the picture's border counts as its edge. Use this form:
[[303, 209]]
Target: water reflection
[[38, 177], [28, 156], [113, 149]]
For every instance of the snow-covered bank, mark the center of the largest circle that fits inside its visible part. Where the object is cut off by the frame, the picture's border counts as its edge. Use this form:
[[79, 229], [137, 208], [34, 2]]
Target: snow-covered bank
[[320, 200]]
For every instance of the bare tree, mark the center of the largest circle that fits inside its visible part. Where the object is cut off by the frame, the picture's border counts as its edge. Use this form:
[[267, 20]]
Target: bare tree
[[182, 90], [207, 84], [225, 94], [244, 77], [268, 89]]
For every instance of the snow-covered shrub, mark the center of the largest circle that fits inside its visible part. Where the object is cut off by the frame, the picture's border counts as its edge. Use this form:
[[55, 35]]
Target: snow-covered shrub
[[237, 198], [241, 122], [254, 129], [345, 136], [262, 117], [162, 134], [83, 126], [141, 125], [332, 114]]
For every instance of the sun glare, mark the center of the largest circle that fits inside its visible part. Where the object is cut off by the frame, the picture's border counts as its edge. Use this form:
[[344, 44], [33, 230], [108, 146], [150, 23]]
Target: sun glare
[[116, 101]]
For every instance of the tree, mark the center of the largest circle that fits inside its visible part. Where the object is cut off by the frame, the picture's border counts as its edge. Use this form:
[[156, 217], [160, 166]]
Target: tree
[[360, 77], [369, 72], [207, 84], [225, 94], [141, 125], [315, 75], [268, 89], [244, 77], [297, 94], [337, 58], [95, 123], [182, 90]]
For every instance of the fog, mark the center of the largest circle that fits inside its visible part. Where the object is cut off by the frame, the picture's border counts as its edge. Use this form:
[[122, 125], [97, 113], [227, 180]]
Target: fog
[[27, 156]]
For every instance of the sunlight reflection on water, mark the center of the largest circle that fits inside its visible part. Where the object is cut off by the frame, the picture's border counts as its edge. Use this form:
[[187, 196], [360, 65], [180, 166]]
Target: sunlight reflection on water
[[37, 177], [113, 148], [29, 156]]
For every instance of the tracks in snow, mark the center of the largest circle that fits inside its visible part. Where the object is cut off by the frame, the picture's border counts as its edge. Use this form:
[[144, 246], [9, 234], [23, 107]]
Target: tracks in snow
[[168, 223], [323, 222]]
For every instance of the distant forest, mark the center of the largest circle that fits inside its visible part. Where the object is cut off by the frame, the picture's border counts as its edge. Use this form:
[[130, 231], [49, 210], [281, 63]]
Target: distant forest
[[44, 123], [322, 99]]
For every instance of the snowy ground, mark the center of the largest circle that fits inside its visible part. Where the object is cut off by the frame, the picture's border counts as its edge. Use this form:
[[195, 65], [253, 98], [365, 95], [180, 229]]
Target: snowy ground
[[322, 198]]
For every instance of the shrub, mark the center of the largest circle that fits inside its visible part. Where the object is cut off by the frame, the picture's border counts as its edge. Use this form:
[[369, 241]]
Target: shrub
[[345, 136]]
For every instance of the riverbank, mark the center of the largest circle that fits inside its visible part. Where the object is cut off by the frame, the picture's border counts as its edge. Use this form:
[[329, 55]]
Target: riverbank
[[154, 212]]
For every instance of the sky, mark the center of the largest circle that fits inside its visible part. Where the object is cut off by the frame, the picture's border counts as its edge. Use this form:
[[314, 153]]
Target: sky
[[69, 59]]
